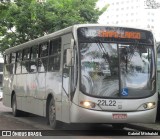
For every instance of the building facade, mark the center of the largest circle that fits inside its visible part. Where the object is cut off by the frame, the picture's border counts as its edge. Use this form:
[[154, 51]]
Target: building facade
[[131, 13]]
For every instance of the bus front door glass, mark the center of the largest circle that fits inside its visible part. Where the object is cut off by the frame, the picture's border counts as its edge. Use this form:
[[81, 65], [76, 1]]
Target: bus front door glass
[[66, 74], [136, 71]]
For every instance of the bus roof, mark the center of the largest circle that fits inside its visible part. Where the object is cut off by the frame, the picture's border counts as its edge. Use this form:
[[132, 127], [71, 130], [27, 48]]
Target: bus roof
[[54, 34]]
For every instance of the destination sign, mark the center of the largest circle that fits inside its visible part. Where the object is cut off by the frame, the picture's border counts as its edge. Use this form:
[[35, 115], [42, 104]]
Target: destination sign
[[114, 34], [125, 34]]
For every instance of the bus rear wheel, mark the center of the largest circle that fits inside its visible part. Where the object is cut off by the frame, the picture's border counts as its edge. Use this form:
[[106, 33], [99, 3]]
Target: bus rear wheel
[[52, 115], [14, 106]]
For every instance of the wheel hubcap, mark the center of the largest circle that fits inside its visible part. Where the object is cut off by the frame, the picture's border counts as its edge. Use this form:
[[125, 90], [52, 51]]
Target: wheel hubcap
[[52, 113]]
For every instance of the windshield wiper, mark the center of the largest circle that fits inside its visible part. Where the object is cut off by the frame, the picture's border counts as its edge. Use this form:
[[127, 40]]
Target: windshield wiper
[[105, 54], [103, 50]]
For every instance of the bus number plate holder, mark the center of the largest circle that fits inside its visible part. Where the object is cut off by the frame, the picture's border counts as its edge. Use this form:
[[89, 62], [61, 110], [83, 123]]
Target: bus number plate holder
[[119, 116]]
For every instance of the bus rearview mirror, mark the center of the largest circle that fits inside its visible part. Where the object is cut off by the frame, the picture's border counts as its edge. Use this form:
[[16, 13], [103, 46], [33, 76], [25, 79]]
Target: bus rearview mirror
[[69, 55], [69, 58], [72, 43]]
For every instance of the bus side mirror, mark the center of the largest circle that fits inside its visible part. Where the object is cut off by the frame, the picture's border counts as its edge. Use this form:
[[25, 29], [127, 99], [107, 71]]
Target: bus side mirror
[[70, 55], [69, 58], [72, 43]]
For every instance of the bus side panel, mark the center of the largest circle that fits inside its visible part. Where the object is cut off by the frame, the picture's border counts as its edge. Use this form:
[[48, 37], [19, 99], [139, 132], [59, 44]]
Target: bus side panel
[[39, 96], [53, 86], [9, 83], [7, 90], [31, 83], [20, 91], [39, 107], [28, 100]]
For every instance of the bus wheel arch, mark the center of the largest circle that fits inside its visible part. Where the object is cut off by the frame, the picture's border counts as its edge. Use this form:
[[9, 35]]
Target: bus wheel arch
[[50, 96], [51, 112], [15, 112], [13, 93]]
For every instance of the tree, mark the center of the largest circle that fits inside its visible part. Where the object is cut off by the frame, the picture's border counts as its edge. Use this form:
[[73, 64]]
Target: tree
[[24, 20]]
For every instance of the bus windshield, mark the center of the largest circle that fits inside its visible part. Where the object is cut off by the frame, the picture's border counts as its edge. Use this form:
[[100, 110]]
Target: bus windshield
[[117, 70]]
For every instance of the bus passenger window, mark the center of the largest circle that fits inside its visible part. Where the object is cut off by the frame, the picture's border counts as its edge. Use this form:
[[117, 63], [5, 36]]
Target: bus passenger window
[[34, 58], [34, 52], [18, 62], [8, 59], [44, 49], [12, 65], [26, 54], [43, 60], [5, 66], [55, 55], [25, 60], [13, 57], [42, 64], [9, 69]]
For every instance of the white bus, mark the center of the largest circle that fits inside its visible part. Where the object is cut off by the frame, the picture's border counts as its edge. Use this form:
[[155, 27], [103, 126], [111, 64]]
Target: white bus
[[84, 74], [1, 76]]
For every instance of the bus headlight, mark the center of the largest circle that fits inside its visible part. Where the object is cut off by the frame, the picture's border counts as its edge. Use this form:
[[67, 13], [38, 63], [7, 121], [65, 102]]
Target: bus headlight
[[149, 105], [87, 104]]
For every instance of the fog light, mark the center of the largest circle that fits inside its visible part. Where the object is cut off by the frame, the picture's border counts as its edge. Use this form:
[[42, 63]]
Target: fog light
[[87, 104], [149, 105]]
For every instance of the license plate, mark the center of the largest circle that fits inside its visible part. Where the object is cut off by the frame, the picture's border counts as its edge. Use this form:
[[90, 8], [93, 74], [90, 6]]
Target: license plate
[[119, 116]]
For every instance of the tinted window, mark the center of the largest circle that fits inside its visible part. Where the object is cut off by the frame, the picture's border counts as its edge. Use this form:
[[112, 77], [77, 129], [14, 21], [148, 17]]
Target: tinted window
[[13, 57], [19, 56], [9, 69], [55, 46], [44, 49], [25, 67], [34, 52], [43, 60], [33, 66], [42, 64], [18, 62], [26, 54], [8, 59], [55, 55], [34, 58]]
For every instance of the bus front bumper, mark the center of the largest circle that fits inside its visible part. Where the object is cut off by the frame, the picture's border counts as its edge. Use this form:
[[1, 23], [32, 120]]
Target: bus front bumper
[[82, 115]]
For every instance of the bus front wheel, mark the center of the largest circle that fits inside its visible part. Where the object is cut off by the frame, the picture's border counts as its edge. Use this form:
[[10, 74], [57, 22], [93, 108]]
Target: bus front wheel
[[52, 115], [14, 106]]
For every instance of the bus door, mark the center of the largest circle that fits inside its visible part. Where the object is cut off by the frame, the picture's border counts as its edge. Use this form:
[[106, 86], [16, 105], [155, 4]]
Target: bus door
[[66, 80]]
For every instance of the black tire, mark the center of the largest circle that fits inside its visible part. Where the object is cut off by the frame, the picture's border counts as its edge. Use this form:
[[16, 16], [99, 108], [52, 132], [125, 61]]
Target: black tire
[[14, 107], [158, 111], [54, 124], [118, 126]]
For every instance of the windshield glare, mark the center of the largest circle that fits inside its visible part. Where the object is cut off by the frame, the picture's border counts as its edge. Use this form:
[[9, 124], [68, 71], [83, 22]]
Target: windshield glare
[[117, 70]]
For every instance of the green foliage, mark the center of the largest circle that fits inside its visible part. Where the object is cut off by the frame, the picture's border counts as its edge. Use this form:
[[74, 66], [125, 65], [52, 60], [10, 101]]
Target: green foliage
[[25, 20]]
